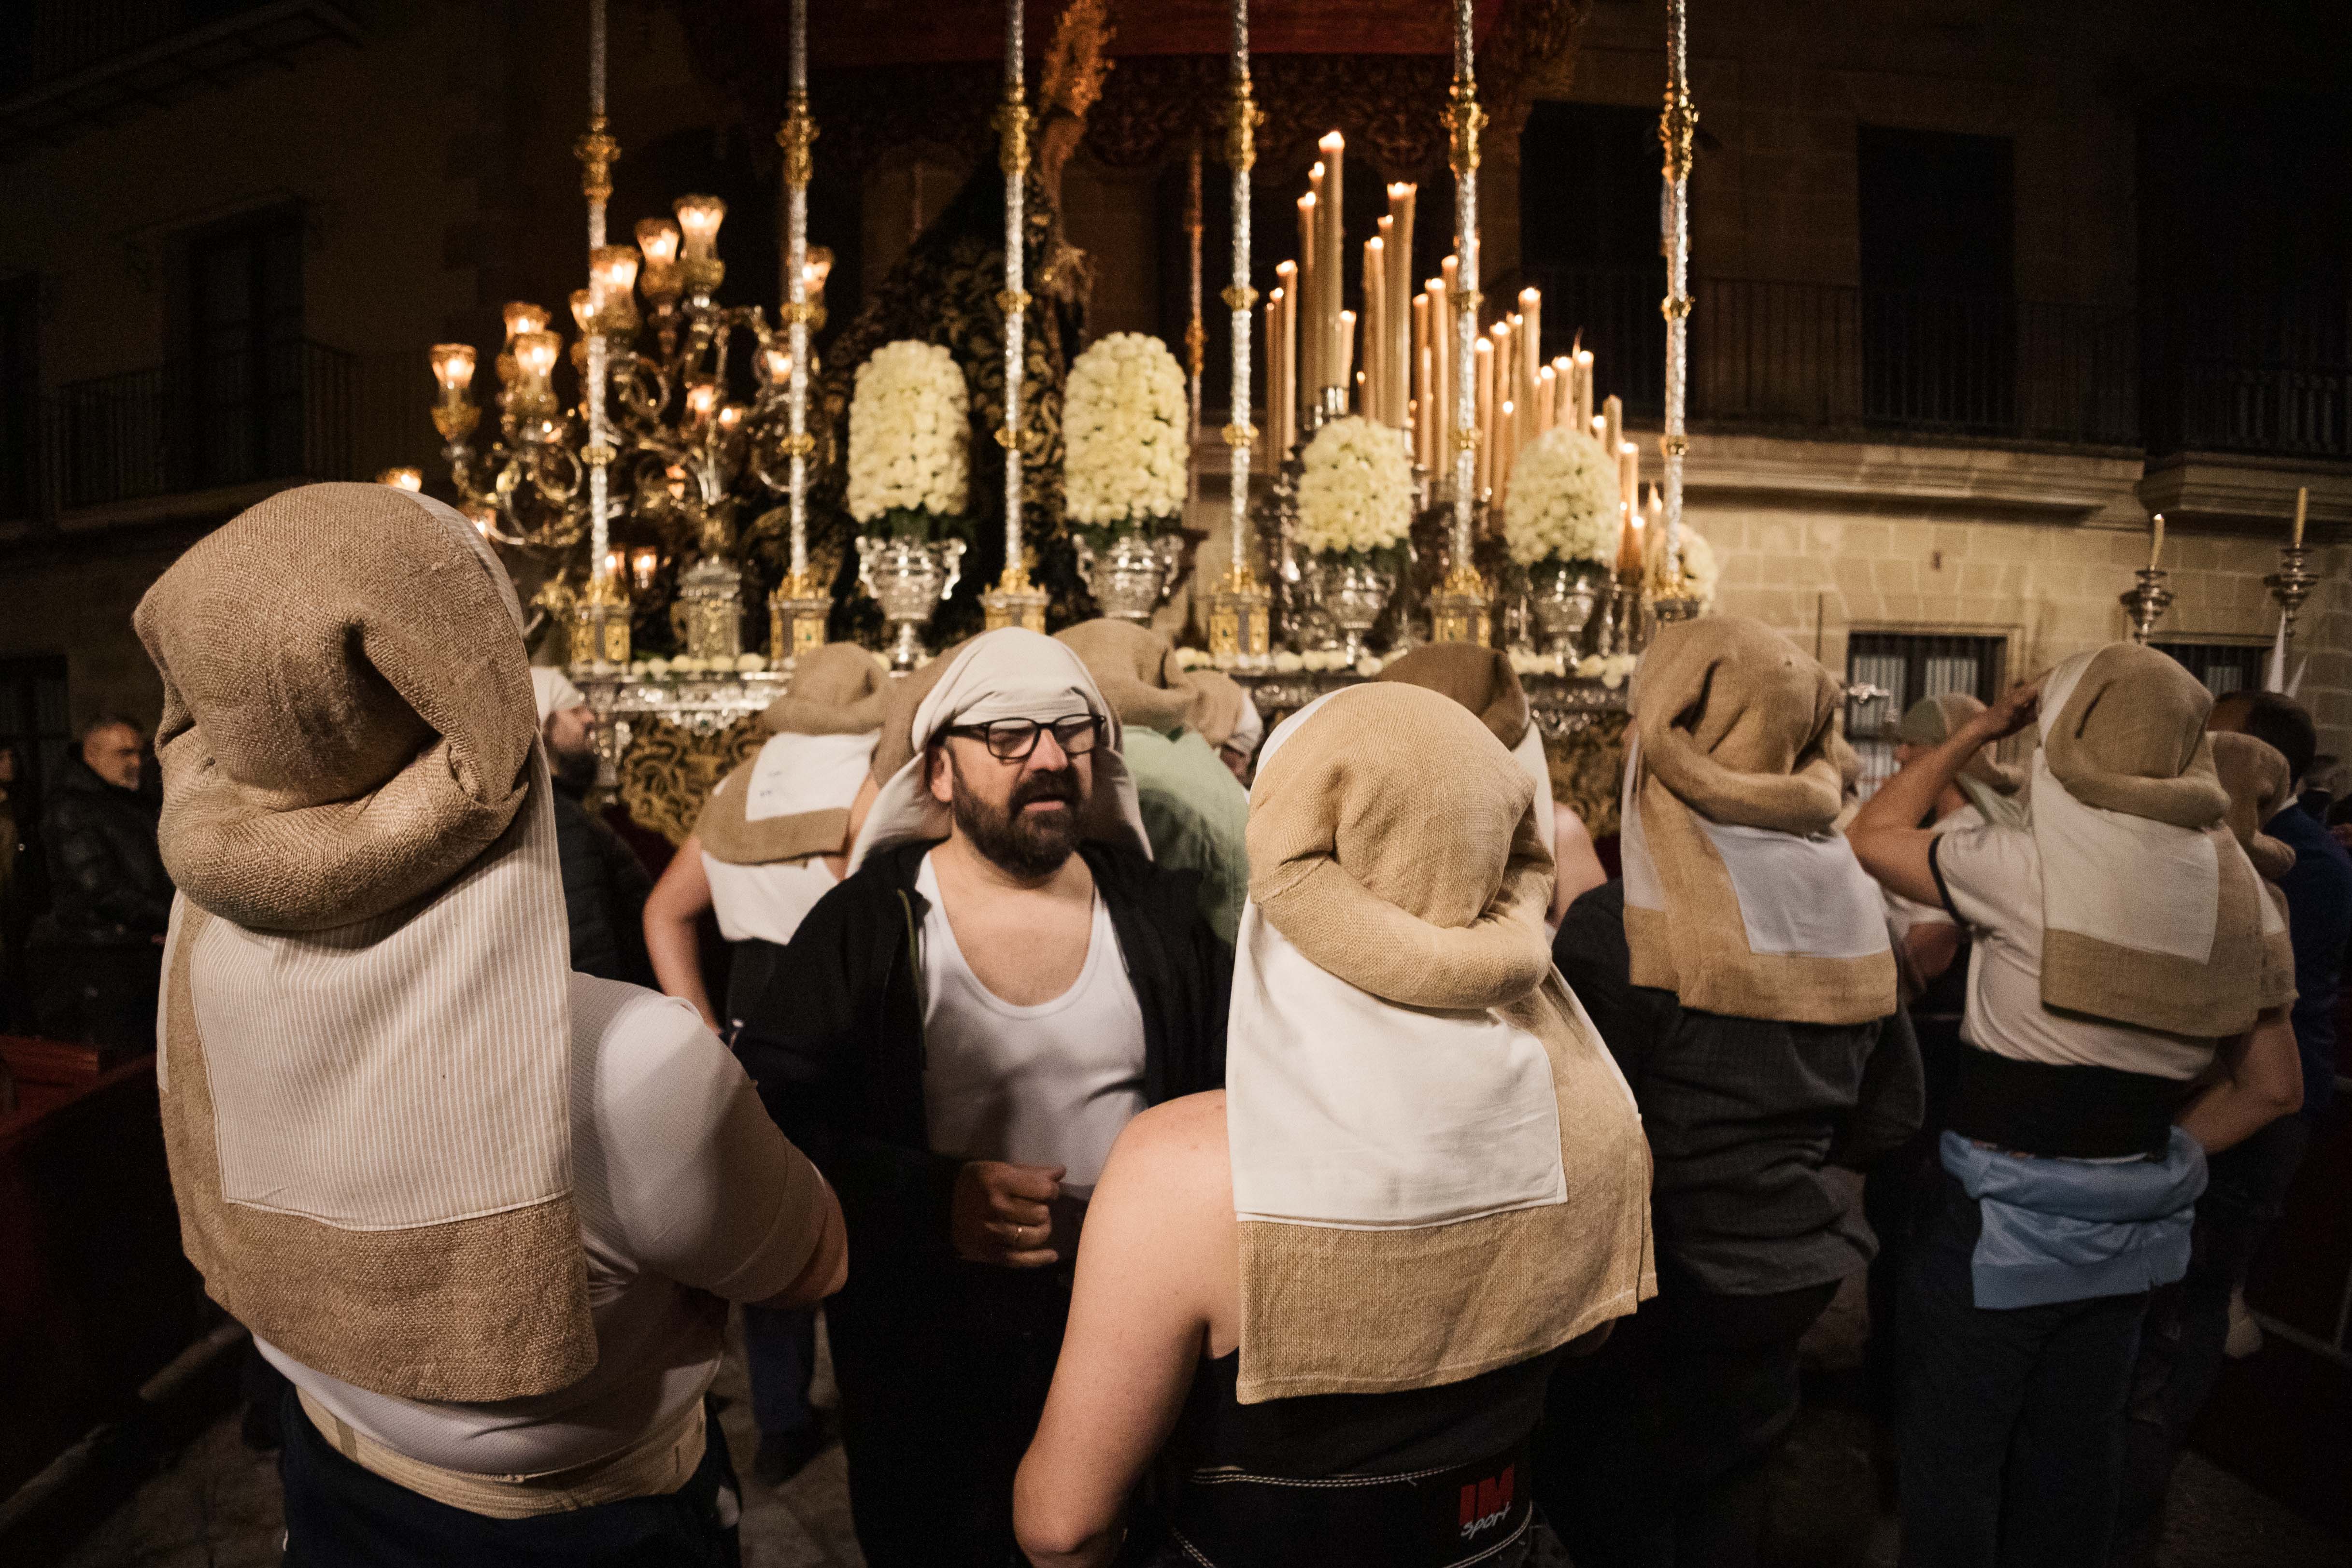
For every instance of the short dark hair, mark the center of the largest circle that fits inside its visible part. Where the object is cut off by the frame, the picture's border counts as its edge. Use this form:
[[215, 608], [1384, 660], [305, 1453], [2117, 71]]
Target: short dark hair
[[107, 721], [2281, 722]]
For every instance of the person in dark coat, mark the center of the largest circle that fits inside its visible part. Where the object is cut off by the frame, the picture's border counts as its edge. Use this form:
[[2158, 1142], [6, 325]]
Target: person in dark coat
[[604, 883], [110, 896], [957, 1032]]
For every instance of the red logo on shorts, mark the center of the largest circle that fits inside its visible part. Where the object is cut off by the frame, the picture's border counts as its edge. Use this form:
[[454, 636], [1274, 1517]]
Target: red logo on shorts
[[1487, 1503]]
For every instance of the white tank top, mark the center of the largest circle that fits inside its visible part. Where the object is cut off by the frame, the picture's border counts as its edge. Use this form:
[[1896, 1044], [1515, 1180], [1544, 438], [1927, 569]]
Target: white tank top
[[768, 902], [1045, 1085]]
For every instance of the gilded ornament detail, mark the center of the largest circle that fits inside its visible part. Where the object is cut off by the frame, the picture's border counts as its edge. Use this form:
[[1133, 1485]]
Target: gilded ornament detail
[[597, 152], [797, 136]]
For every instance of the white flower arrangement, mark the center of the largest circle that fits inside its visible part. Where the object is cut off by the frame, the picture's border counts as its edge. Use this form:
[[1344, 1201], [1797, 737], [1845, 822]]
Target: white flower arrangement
[[1609, 669], [1700, 570], [1123, 418], [1563, 501], [1356, 493], [908, 426]]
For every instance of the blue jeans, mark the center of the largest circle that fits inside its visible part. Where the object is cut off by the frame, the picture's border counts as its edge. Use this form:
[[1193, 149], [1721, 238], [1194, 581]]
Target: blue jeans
[[780, 1348], [2012, 1419]]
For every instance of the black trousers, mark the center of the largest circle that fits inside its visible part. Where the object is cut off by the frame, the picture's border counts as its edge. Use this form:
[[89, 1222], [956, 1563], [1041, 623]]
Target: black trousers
[[1652, 1450], [339, 1515], [942, 1381], [2013, 1418], [100, 995]]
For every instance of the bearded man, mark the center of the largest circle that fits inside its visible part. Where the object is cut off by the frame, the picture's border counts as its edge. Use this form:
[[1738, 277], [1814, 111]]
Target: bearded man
[[959, 1032]]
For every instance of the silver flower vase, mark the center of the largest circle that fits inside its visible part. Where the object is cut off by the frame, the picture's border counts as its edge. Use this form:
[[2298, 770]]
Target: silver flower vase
[[1560, 598], [1352, 595], [908, 578], [1130, 576]]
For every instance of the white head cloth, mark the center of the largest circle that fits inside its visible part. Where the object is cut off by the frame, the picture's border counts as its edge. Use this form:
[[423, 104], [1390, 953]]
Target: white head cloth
[[1012, 673], [1248, 729], [552, 690]]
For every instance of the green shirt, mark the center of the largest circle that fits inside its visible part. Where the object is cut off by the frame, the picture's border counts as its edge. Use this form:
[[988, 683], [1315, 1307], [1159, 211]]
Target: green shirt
[[1197, 816]]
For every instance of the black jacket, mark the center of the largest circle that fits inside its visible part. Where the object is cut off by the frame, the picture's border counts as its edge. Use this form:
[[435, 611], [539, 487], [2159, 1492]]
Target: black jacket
[[108, 885], [831, 1028], [605, 891], [1743, 1116]]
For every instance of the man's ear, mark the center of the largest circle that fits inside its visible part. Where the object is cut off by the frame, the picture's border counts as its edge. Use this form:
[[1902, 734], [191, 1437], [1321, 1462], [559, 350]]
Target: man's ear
[[938, 774]]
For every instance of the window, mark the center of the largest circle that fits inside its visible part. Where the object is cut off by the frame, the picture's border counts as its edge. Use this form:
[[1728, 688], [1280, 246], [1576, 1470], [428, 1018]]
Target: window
[[20, 397], [2224, 667], [1887, 672], [1589, 235], [1938, 318], [34, 721], [244, 372]]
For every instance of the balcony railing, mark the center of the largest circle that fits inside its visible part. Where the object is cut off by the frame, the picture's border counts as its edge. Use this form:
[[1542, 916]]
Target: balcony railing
[[282, 413], [1836, 359]]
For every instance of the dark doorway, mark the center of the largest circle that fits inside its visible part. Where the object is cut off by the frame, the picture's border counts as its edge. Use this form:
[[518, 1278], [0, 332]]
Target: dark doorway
[[1939, 309], [20, 397], [1589, 188], [245, 366]]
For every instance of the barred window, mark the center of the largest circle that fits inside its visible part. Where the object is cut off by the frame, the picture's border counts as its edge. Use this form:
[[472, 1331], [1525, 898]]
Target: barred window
[[2224, 667], [1887, 672]]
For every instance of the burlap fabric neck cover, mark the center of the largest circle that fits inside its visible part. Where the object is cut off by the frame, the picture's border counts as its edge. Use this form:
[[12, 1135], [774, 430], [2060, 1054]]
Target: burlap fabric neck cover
[[2255, 773], [1438, 1168], [2152, 916], [1991, 786], [1739, 897], [792, 799], [366, 1024]]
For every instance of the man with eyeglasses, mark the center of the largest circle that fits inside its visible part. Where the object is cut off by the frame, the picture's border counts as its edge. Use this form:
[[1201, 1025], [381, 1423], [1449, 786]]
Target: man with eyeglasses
[[956, 1034]]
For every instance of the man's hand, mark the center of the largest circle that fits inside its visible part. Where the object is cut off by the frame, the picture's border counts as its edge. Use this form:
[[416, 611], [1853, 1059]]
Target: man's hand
[[2008, 714], [1000, 1213]]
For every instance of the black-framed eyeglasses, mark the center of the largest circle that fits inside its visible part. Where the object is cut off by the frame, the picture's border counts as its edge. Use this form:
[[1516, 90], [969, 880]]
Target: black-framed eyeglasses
[[1013, 739]]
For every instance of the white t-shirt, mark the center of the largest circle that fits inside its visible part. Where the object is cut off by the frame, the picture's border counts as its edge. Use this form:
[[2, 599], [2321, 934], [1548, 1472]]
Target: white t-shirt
[[1902, 913], [767, 902], [1993, 876], [1045, 1085], [688, 1197]]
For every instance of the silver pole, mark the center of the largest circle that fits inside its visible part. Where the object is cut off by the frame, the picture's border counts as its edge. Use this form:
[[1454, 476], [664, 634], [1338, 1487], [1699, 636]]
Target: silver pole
[[1677, 129], [1240, 152]]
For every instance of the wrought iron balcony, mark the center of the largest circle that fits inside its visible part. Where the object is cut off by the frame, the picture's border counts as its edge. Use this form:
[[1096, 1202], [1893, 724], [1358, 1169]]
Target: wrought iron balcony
[[283, 412]]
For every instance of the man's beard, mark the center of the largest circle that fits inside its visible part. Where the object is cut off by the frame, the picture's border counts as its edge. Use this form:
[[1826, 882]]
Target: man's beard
[[575, 771], [1030, 847]]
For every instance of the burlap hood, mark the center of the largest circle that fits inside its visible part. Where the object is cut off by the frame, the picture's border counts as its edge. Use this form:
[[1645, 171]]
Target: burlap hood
[[1990, 786], [1225, 715], [1437, 1167], [1137, 671], [365, 1040], [1482, 680], [1739, 897], [2254, 772], [792, 799], [1010, 672], [2152, 915]]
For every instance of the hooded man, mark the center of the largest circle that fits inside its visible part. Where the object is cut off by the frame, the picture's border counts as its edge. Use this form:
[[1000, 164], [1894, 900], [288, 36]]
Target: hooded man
[[1195, 813], [479, 1209], [1742, 976], [2117, 941], [604, 882], [958, 1032], [773, 838]]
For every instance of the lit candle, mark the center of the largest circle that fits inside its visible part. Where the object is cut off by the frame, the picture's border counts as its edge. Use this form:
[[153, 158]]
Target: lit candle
[[1307, 303], [1547, 389], [1379, 347], [1629, 469], [409, 479], [1332, 230], [1286, 349], [1612, 416], [1482, 393], [1400, 199], [2302, 505], [1421, 403], [453, 367], [1584, 385], [1530, 354], [2155, 541], [1346, 372], [1375, 297], [643, 563], [698, 218], [1273, 433], [1443, 373]]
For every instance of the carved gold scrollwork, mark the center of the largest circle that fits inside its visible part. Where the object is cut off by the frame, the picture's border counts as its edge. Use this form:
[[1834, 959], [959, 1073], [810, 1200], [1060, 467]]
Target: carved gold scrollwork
[[597, 152], [1012, 122], [1463, 120], [797, 136], [1240, 128], [669, 769]]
